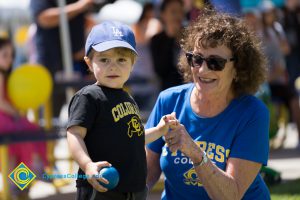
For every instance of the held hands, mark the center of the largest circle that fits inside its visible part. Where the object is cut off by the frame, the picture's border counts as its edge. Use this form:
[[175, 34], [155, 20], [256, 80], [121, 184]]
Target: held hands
[[167, 122], [179, 139], [92, 170]]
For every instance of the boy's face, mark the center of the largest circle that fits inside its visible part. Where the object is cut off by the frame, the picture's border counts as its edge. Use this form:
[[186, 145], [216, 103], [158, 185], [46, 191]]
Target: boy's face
[[111, 68]]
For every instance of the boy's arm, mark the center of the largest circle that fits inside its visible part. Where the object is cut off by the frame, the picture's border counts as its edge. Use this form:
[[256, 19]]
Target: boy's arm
[[162, 128], [75, 135], [152, 134]]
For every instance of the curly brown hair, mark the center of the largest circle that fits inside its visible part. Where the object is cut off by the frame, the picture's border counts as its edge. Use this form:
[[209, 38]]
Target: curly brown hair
[[212, 29]]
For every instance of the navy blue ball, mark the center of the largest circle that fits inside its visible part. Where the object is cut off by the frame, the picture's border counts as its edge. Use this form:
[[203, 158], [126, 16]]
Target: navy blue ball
[[112, 175]]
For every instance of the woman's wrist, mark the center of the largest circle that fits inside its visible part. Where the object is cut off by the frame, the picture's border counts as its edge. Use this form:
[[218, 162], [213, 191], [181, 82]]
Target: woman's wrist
[[203, 161], [198, 158], [197, 155]]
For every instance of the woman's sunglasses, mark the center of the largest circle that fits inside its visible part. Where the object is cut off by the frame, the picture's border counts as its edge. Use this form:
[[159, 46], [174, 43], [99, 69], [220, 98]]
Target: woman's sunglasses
[[214, 64]]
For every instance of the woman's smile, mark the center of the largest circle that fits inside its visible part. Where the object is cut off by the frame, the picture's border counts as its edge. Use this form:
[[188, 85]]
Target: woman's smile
[[206, 80]]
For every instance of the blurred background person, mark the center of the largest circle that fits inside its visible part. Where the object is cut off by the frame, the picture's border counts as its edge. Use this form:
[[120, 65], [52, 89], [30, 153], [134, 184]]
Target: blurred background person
[[291, 26], [11, 122], [164, 46], [144, 83], [276, 47], [46, 14]]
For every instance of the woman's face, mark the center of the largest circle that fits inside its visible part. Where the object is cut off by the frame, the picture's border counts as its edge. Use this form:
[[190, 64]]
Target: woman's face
[[211, 83], [6, 57]]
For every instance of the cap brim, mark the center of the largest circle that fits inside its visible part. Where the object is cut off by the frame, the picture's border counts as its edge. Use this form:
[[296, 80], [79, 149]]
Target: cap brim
[[104, 46]]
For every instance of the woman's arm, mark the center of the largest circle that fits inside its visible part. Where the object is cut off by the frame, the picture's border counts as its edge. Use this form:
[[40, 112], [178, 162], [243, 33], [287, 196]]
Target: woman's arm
[[154, 170], [230, 184]]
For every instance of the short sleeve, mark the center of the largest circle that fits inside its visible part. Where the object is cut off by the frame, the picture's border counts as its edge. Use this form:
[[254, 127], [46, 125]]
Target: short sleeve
[[252, 142], [82, 111]]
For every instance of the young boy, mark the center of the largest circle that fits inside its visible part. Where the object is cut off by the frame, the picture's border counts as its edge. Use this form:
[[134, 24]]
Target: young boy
[[104, 127]]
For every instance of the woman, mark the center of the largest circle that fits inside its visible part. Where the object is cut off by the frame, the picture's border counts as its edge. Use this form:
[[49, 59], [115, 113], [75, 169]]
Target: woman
[[222, 142]]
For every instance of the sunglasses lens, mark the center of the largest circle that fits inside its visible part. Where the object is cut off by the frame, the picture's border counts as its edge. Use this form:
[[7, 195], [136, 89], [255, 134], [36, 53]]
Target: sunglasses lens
[[194, 60], [216, 64], [189, 57], [197, 60]]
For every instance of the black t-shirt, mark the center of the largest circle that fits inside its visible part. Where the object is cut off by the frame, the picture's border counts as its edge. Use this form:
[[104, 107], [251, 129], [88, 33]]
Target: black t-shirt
[[165, 54], [291, 26], [114, 133]]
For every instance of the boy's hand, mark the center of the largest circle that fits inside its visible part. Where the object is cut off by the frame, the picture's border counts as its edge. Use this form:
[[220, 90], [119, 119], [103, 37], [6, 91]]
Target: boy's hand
[[168, 122], [92, 170]]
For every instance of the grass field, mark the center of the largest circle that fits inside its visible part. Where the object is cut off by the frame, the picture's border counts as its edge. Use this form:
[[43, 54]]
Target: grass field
[[286, 191]]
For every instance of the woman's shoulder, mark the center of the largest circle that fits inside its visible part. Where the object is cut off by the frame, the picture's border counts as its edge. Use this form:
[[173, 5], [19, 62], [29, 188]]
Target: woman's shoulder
[[177, 90], [251, 102]]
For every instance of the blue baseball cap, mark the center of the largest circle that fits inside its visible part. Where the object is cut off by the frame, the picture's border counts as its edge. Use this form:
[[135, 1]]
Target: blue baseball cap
[[108, 35]]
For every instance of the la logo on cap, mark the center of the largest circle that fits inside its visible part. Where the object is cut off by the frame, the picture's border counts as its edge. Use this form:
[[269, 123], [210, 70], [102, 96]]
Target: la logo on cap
[[117, 32]]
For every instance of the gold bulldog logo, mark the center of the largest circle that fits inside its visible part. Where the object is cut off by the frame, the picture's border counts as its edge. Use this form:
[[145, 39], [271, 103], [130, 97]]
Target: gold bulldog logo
[[190, 178], [135, 127]]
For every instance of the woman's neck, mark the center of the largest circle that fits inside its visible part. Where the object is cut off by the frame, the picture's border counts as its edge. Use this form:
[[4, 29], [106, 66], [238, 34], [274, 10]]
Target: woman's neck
[[208, 106]]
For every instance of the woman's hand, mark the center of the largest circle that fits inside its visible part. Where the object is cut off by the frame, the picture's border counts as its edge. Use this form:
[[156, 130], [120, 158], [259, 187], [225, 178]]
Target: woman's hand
[[92, 172], [179, 139]]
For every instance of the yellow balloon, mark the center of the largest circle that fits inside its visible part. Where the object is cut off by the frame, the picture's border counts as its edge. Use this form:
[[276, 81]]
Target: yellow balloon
[[29, 86]]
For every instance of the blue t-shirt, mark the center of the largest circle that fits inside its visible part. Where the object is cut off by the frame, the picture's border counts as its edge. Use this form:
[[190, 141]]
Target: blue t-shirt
[[240, 131]]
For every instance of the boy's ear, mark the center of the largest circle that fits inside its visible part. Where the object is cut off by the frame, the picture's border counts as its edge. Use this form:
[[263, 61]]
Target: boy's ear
[[88, 62]]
